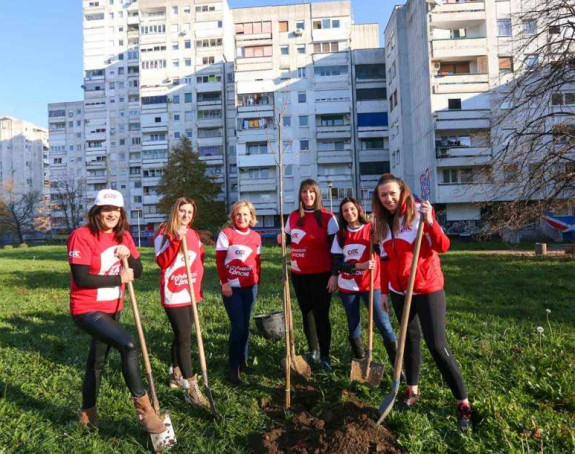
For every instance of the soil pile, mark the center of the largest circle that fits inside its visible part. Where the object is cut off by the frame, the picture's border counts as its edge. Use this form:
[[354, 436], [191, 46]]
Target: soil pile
[[317, 425]]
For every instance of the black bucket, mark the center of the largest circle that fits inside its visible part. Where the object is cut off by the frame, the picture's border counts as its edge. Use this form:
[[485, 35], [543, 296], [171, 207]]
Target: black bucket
[[271, 326]]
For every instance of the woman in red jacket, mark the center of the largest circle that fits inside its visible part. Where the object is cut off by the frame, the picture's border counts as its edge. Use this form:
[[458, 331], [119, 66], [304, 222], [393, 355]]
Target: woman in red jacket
[[238, 252], [396, 219], [95, 254], [175, 293]]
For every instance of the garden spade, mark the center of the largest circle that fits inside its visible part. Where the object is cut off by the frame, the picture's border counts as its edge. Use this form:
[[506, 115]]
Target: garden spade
[[166, 439], [389, 400], [364, 370], [201, 353]]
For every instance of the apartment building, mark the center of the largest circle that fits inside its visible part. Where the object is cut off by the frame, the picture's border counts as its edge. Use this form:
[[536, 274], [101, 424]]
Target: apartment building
[[312, 83], [68, 164], [157, 70], [445, 63], [23, 159]]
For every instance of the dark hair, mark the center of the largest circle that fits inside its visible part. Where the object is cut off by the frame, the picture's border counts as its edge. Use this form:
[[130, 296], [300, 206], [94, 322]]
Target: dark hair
[[96, 227], [317, 205], [382, 218], [361, 217]]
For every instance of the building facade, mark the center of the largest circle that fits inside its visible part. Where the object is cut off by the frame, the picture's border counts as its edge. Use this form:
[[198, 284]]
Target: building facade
[[156, 71], [23, 159], [446, 63]]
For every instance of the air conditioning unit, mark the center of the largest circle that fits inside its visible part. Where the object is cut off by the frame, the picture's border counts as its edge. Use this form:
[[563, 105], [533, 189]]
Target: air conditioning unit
[[298, 32], [436, 65]]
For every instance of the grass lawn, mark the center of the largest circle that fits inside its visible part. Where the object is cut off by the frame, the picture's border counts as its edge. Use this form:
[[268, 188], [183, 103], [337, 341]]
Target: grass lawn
[[521, 384]]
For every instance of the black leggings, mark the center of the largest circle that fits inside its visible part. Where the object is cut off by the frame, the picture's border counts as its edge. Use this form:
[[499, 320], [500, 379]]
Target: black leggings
[[181, 319], [106, 332], [427, 314], [312, 295]]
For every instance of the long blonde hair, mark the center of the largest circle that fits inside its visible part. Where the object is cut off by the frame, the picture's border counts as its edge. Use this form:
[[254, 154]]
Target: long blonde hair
[[381, 216], [171, 226]]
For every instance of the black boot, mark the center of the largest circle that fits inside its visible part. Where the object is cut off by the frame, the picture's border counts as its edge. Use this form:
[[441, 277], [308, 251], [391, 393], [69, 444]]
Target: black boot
[[234, 376], [357, 347]]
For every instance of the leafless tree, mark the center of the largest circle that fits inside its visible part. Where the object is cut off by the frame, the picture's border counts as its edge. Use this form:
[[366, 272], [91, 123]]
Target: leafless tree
[[18, 211], [69, 193], [534, 131]]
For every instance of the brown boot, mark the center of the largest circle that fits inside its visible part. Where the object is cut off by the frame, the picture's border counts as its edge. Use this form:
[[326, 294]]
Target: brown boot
[[88, 418], [147, 416], [193, 394], [175, 377]]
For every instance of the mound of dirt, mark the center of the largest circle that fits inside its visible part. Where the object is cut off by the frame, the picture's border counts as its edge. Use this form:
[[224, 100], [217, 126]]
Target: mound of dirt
[[315, 425]]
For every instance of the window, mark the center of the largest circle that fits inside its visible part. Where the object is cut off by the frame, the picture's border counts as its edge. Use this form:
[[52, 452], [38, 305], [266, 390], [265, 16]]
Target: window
[[375, 143], [331, 120], [325, 24], [457, 33], [531, 61], [326, 71], [374, 168], [303, 121], [283, 26], [304, 145], [284, 50], [301, 72], [214, 150], [286, 121], [255, 123], [554, 29], [248, 28], [451, 68], [301, 97], [530, 27], [300, 25], [332, 145], [208, 60], [504, 27], [563, 99], [301, 49], [255, 51], [325, 48], [256, 148], [505, 64], [454, 104], [372, 119], [365, 94], [255, 99]]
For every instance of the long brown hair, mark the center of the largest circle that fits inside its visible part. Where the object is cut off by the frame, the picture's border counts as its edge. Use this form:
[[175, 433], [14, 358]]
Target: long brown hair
[[317, 204], [95, 225], [172, 225], [361, 217], [382, 218]]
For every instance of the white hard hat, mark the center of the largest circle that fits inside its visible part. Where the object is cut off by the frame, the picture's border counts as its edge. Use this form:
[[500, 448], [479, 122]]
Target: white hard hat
[[109, 197]]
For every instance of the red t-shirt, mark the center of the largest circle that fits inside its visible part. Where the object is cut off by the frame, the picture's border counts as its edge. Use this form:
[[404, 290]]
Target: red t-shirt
[[310, 248], [355, 249], [238, 257], [174, 288], [97, 251]]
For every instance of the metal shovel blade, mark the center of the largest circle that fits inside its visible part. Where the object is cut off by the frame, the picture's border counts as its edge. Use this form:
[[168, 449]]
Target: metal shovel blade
[[388, 402], [167, 439], [365, 371], [299, 366]]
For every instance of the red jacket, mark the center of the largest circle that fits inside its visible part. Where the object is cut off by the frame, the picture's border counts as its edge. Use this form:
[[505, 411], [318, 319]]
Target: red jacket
[[397, 257]]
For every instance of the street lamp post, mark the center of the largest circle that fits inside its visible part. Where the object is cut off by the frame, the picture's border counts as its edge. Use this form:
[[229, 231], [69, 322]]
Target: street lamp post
[[138, 211], [329, 185]]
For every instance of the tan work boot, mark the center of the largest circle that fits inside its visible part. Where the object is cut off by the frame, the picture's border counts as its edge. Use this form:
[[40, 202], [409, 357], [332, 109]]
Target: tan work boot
[[175, 377], [147, 416], [88, 418], [193, 394]]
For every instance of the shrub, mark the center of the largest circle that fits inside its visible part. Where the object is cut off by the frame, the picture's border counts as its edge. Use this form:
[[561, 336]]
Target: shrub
[[23, 246], [8, 246], [206, 237]]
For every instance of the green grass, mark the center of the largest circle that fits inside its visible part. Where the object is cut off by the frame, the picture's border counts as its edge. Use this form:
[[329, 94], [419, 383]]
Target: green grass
[[521, 386]]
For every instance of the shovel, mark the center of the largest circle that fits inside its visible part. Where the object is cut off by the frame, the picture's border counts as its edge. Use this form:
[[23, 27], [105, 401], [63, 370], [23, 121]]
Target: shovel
[[363, 370], [198, 329], [389, 400], [166, 439]]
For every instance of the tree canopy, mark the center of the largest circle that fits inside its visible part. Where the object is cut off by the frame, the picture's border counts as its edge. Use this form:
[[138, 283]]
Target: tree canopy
[[185, 176]]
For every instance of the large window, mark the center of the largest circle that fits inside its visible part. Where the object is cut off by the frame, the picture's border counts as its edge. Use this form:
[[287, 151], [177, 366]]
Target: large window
[[248, 28], [374, 168], [370, 71], [326, 48], [504, 27], [372, 119], [332, 120], [214, 150], [366, 94], [255, 99], [505, 64], [255, 51], [325, 71], [210, 96], [326, 24], [374, 143], [256, 148]]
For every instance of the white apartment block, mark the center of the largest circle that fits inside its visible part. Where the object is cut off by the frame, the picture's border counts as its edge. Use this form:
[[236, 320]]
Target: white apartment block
[[158, 70], [23, 159], [444, 63], [68, 163]]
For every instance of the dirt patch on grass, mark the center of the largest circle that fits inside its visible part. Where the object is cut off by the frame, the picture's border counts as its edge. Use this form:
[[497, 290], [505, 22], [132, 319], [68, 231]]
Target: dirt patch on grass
[[316, 424]]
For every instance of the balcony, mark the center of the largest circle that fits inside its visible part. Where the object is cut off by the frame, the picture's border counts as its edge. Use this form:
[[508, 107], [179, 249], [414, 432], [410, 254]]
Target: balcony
[[254, 63], [460, 47], [259, 185], [461, 83], [462, 156], [451, 14], [334, 157], [256, 160], [462, 119], [464, 193]]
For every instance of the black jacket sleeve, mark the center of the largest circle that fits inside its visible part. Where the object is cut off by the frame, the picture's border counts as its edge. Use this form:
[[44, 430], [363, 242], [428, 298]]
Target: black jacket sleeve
[[338, 264], [83, 278]]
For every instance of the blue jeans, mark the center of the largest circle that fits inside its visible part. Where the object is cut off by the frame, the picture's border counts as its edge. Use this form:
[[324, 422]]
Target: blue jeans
[[380, 317], [239, 307]]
